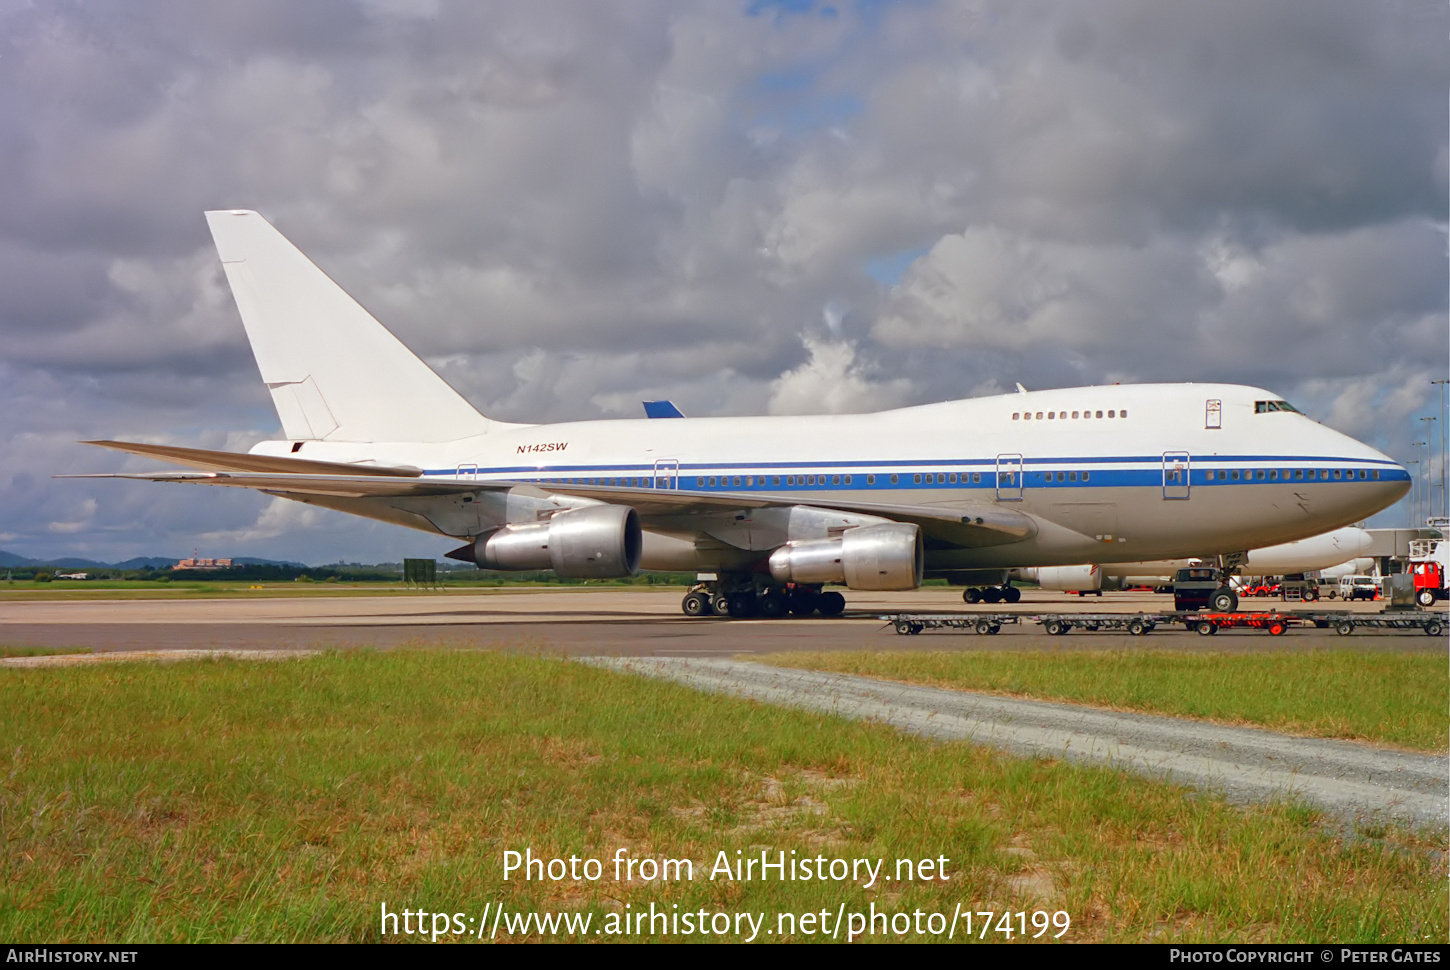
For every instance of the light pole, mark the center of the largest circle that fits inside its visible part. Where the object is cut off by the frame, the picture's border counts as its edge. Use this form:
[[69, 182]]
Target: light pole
[[1444, 498], [1429, 468], [1414, 487]]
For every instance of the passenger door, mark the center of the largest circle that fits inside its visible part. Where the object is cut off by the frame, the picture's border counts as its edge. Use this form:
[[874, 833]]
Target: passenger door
[[1177, 469], [1009, 478]]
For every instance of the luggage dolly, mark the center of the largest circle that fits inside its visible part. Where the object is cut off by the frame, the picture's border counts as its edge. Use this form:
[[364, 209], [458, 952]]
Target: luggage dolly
[[1207, 624], [1344, 623], [1059, 624], [985, 624]]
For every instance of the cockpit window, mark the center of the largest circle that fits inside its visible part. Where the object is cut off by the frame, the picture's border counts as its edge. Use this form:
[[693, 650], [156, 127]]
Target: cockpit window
[[1264, 407]]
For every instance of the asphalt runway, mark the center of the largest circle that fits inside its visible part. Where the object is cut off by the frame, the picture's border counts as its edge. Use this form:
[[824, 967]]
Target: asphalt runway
[[594, 622]]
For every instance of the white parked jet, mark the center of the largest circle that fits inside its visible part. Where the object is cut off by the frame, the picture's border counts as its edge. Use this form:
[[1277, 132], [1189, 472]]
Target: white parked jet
[[774, 506]]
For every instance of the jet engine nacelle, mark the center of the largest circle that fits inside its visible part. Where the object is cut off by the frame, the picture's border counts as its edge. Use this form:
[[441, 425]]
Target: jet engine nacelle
[[887, 556], [595, 542], [1070, 579]]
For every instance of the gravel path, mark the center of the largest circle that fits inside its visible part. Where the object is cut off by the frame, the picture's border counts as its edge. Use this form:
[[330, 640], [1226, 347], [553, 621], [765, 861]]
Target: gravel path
[[1353, 782]]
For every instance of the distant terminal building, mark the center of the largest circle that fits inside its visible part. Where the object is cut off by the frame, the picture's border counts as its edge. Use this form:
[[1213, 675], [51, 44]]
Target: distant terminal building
[[196, 563]]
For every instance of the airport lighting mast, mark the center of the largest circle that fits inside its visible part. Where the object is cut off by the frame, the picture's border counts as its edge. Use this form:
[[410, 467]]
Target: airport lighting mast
[[1429, 469], [1414, 485], [1444, 495]]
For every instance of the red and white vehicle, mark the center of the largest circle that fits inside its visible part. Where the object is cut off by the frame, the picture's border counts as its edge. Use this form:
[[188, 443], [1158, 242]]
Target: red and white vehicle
[[1430, 562]]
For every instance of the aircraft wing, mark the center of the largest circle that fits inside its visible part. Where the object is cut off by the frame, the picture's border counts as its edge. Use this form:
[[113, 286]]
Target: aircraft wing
[[962, 526]]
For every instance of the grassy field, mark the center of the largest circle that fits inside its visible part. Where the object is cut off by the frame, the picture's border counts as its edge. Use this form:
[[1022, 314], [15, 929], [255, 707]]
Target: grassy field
[[222, 800], [1398, 699], [10, 651]]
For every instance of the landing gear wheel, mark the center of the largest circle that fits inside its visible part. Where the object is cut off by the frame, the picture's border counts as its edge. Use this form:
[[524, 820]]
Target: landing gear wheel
[[1344, 628], [1425, 597], [774, 605], [1435, 628], [1224, 600], [720, 603], [992, 594], [831, 604], [1012, 594], [971, 595], [802, 603], [1137, 627], [741, 605], [1206, 629], [696, 604]]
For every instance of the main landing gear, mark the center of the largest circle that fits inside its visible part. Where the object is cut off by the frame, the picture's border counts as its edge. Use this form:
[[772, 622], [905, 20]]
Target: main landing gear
[[992, 594], [743, 598]]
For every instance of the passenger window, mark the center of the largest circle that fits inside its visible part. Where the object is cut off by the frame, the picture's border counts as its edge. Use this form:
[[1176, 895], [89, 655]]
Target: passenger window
[[1337, 473], [916, 479], [870, 479], [1273, 474], [1298, 473], [1027, 416], [1234, 474], [835, 479], [1100, 414], [1016, 415], [976, 477], [1074, 414], [1062, 476], [1039, 415], [1122, 414], [952, 479], [893, 479], [1051, 415], [1084, 476], [1376, 473], [1072, 476], [1112, 414], [848, 479], [1260, 475], [712, 481]]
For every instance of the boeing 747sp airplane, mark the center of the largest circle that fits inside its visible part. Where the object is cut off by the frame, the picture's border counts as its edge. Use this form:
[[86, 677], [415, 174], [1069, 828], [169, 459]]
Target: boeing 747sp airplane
[[775, 507]]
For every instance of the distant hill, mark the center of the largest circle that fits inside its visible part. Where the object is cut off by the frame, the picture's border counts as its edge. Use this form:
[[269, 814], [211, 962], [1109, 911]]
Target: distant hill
[[11, 560]]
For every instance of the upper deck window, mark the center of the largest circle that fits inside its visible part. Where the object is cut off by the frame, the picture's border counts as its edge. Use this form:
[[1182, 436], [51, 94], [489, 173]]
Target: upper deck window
[[1264, 407]]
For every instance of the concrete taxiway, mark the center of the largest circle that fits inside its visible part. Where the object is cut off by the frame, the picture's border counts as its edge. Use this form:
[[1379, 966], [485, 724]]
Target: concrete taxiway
[[619, 621]]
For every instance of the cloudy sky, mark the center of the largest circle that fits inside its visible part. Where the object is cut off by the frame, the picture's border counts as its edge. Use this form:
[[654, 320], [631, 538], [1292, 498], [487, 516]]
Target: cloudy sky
[[570, 206]]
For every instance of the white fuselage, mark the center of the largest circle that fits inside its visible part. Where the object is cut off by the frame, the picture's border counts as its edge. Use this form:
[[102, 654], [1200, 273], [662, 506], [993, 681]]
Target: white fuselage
[[1118, 473]]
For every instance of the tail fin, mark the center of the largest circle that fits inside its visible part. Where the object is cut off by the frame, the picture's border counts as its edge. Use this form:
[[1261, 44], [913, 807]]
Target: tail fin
[[333, 370]]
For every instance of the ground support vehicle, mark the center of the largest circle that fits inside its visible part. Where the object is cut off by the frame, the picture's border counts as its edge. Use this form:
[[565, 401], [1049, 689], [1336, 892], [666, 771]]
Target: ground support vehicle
[[911, 624], [1345, 623], [1430, 562]]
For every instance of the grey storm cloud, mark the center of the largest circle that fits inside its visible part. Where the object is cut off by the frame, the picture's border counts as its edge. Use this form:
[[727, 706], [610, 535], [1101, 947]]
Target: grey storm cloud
[[571, 206]]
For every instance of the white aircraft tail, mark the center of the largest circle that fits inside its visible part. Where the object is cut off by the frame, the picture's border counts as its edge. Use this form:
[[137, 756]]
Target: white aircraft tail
[[335, 373]]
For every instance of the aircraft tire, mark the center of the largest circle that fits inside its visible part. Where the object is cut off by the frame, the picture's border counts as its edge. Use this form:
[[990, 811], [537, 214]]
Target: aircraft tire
[[802, 603], [742, 605], [773, 604], [832, 604], [992, 594], [971, 595], [1012, 594], [1425, 597], [696, 604], [1224, 600], [720, 604]]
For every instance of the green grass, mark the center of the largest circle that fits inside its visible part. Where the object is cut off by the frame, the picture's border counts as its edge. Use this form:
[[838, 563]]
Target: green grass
[[1399, 699], [9, 651], [19, 591], [224, 800]]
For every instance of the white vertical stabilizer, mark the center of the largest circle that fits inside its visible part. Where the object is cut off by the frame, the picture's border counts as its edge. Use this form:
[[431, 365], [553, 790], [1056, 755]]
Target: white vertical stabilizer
[[335, 373]]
